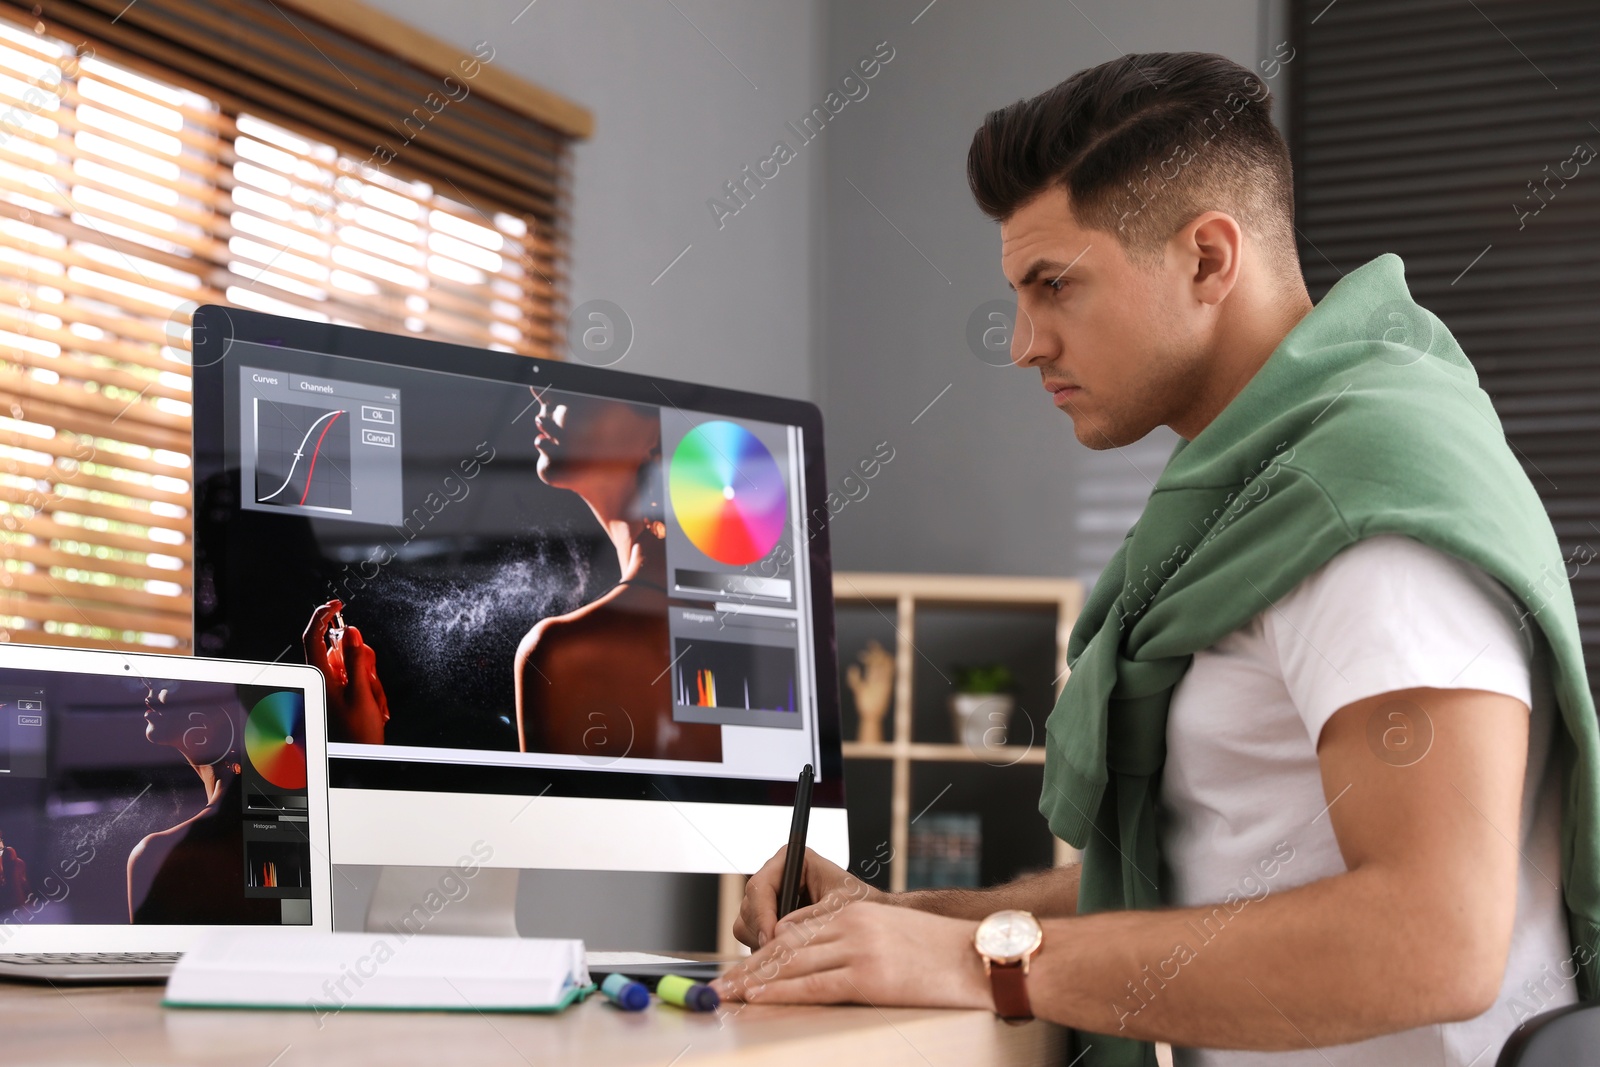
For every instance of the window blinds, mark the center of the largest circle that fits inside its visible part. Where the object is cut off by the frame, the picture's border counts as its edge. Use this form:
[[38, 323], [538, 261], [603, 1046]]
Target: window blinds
[[137, 181]]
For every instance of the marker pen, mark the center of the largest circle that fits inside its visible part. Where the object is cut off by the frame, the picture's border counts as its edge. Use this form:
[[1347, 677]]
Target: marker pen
[[625, 993], [695, 996]]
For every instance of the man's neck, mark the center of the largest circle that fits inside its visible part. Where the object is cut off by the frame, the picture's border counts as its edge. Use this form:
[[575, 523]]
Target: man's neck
[[1242, 346]]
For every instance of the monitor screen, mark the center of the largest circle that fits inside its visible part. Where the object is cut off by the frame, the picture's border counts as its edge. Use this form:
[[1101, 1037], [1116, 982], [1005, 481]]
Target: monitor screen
[[151, 801], [518, 576]]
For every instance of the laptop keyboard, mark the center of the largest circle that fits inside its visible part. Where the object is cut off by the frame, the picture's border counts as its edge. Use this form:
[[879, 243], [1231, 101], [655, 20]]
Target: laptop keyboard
[[59, 958]]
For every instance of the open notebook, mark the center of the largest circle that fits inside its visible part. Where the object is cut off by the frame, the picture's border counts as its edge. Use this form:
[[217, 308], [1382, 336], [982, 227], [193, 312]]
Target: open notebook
[[327, 973]]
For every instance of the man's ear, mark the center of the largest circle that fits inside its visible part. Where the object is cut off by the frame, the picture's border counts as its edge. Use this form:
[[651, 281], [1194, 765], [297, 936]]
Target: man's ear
[[1211, 248]]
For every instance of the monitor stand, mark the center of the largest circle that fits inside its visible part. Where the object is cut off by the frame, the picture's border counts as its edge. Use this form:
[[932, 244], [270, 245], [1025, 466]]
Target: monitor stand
[[438, 900]]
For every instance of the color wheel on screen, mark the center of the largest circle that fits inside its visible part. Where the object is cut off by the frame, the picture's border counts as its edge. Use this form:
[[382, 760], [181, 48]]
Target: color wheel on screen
[[275, 739], [727, 492]]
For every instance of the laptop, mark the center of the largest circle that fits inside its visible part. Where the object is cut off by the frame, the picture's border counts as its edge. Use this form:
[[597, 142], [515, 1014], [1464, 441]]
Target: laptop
[[147, 799]]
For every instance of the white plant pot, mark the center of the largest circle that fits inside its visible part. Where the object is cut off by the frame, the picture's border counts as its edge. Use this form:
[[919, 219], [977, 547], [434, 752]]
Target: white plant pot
[[980, 720]]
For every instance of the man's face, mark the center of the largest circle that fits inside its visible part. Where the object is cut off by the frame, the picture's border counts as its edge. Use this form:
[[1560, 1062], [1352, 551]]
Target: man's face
[[1118, 345]]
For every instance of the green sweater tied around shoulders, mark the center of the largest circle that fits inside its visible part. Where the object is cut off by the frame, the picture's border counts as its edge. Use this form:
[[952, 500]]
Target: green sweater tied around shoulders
[[1366, 419]]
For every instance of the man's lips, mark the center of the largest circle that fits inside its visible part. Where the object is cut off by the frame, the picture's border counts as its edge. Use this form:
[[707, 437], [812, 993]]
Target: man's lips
[[1061, 392], [544, 432]]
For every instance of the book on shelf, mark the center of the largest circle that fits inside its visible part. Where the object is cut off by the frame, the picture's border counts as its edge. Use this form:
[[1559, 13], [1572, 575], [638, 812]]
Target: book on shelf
[[946, 850]]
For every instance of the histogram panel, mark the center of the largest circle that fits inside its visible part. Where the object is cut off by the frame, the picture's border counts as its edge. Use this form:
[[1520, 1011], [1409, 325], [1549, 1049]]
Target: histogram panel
[[721, 674]]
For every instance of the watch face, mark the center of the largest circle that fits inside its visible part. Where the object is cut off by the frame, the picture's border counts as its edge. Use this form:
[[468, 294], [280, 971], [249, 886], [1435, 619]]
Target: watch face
[[1007, 936]]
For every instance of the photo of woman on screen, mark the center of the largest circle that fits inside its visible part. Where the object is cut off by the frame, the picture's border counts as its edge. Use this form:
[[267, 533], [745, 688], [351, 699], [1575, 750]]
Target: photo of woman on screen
[[595, 681], [183, 874]]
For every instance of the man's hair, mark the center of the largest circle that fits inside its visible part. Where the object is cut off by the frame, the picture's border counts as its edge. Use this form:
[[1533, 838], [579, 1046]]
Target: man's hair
[[1142, 145]]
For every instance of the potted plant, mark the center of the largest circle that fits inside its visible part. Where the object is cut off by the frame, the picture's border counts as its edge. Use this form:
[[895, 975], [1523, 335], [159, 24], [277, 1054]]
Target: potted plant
[[981, 706]]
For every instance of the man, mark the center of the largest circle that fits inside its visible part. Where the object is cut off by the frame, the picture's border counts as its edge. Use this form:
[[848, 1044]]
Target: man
[[1322, 697]]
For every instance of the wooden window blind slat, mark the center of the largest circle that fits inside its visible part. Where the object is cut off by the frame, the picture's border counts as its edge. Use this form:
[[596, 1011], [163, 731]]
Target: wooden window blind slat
[[47, 558], [51, 529], [43, 474]]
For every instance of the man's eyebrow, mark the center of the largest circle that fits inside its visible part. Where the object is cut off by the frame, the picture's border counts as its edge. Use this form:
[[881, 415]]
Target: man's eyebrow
[[1036, 268], [1054, 268]]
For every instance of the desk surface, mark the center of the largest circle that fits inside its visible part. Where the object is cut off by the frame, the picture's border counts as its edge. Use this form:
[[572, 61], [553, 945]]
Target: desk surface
[[126, 1025]]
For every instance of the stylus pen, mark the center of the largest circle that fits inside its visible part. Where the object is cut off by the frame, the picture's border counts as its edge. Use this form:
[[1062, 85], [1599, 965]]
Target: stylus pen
[[794, 864]]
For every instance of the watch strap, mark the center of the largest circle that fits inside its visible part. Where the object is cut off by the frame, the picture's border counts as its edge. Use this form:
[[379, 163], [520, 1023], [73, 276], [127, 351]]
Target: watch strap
[[1010, 984]]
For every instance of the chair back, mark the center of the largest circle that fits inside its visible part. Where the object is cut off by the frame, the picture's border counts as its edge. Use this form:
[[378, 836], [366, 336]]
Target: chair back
[[1565, 1037]]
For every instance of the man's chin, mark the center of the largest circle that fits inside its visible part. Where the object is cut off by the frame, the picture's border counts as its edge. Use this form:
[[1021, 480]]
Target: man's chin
[[1102, 432], [1093, 436]]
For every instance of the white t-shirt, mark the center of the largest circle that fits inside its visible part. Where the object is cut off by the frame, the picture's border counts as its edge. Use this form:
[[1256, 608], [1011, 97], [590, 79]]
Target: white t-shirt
[[1242, 805]]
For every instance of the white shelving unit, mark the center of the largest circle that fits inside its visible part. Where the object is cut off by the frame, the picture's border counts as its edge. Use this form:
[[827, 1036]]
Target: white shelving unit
[[908, 592]]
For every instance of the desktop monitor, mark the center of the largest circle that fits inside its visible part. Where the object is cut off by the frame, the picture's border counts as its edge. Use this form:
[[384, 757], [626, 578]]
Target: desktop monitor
[[568, 617]]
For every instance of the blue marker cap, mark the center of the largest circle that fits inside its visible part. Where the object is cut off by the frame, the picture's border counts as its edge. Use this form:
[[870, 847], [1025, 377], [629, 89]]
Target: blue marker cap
[[625, 993]]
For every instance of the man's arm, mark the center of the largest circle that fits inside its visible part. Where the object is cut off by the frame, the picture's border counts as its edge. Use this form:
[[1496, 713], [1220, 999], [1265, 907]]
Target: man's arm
[[1052, 893], [1417, 931]]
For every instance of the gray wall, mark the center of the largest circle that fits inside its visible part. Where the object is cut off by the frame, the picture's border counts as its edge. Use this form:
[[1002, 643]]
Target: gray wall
[[848, 279], [674, 121], [990, 479]]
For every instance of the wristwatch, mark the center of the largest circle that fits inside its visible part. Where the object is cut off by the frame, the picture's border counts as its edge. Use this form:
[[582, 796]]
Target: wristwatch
[[1007, 941]]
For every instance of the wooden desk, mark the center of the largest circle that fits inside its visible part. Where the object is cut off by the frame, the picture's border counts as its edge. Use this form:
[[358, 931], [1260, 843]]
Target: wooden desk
[[126, 1025]]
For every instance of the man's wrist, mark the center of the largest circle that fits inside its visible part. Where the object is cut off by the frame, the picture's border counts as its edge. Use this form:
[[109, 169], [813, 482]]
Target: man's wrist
[[859, 890], [1006, 941], [974, 975]]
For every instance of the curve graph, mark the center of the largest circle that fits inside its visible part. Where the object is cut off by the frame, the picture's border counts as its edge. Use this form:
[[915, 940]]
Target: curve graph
[[302, 456]]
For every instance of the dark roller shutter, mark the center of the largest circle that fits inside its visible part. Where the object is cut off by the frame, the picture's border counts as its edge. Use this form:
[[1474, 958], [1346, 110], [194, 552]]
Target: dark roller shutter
[[1462, 135]]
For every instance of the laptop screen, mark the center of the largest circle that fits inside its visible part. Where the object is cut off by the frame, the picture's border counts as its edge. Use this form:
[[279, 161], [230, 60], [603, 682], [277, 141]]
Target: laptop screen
[[148, 801]]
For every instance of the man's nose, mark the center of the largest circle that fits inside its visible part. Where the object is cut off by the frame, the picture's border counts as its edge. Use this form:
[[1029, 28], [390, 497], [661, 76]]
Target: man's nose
[[1028, 347]]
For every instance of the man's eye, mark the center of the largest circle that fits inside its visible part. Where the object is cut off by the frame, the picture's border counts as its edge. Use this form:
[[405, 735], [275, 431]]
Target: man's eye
[[1055, 285]]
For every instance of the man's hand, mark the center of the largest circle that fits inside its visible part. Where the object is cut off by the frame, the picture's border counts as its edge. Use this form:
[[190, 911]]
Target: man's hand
[[758, 913], [844, 951]]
